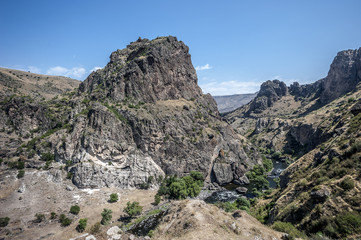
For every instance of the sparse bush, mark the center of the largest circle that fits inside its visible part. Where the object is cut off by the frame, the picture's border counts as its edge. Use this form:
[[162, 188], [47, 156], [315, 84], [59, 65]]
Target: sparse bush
[[242, 202], [347, 184], [227, 206], [69, 175], [133, 209], [21, 173], [351, 100], [157, 199], [267, 164], [82, 224], [4, 221], [113, 197], [95, 228], [53, 215], [75, 209], [64, 220], [106, 216], [39, 217]]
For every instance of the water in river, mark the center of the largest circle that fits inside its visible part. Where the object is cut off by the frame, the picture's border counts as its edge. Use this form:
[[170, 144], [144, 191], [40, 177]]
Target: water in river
[[230, 194]]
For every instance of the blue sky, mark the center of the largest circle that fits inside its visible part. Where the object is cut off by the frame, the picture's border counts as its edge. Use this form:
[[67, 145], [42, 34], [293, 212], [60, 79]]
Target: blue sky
[[235, 45]]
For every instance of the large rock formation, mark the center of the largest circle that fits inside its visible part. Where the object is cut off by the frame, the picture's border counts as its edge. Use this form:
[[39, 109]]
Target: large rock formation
[[140, 117], [270, 92], [343, 76], [147, 71]]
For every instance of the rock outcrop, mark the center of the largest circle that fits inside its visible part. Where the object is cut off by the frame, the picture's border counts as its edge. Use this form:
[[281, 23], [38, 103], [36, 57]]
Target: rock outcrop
[[269, 93], [140, 117], [343, 76]]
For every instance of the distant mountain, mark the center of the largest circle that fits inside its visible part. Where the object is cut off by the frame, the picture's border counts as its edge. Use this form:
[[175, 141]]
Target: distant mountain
[[229, 103], [35, 85]]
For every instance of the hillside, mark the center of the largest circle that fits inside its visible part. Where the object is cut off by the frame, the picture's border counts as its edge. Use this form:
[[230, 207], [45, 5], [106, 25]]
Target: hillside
[[35, 85], [229, 103], [127, 126], [315, 126]]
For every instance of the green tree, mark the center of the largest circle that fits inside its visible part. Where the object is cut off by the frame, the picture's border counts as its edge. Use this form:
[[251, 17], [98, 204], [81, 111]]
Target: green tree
[[133, 209], [82, 224], [178, 190], [106, 216]]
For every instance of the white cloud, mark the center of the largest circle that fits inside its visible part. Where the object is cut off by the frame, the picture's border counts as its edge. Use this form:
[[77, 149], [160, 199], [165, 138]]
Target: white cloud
[[76, 72], [230, 87], [205, 67], [285, 80], [94, 69], [34, 69]]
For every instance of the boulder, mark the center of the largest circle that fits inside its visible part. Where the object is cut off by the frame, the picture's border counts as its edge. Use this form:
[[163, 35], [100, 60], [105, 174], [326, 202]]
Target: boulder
[[222, 173], [241, 190]]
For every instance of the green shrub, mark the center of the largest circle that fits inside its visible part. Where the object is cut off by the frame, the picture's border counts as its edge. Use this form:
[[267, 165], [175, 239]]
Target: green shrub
[[106, 216], [75, 209], [113, 197], [180, 188], [242, 202], [347, 184], [157, 199], [351, 100], [39, 217], [69, 175], [64, 220], [133, 209], [227, 206], [95, 228], [4, 221], [1, 161], [267, 164], [21, 173], [82, 224], [53, 215], [289, 229]]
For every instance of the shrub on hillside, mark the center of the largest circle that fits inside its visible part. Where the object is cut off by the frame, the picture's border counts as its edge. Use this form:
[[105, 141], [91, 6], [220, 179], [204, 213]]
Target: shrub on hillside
[[347, 184], [95, 228], [64, 220], [4, 221], [82, 224], [133, 209], [75, 209], [106, 216], [113, 197]]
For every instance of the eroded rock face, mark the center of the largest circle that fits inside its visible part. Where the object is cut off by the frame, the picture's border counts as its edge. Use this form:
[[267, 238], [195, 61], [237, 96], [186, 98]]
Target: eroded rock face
[[144, 116], [269, 93], [343, 76], [148, 71]]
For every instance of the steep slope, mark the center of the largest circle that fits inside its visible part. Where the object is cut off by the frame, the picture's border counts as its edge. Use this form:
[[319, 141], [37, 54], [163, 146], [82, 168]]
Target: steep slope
[[317, 125], [35, 85], [231, 102]]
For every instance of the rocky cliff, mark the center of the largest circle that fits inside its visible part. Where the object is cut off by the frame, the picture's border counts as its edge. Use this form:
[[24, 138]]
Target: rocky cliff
[[140, 117]]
